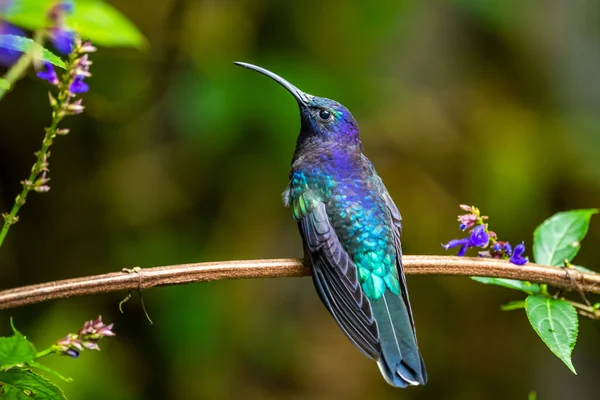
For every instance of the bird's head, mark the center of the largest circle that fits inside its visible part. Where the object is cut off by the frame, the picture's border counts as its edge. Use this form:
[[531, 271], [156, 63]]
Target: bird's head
[[322, 119]]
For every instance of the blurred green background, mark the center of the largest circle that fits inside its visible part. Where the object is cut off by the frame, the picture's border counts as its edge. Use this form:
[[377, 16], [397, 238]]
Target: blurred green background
[[182, 157]]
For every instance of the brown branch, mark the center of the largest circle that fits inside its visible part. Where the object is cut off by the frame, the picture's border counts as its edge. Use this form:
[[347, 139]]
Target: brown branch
[[286, 267]]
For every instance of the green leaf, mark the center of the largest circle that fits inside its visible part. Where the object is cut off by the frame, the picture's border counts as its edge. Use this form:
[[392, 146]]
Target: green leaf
[[104, 25], [583, 269], [524, 286], [15, 349], [532, 395], [26, 45], [513, 305], [26, 380], [93, 19], [12, 393], [558, 238], [29, 14], [4, 84], [555, 321]]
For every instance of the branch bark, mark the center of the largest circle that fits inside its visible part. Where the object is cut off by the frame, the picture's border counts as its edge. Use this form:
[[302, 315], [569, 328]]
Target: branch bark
[[286, 267]]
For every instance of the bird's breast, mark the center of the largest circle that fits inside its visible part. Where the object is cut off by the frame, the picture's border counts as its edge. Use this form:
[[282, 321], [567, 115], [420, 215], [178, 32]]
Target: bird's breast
[[359, 216]]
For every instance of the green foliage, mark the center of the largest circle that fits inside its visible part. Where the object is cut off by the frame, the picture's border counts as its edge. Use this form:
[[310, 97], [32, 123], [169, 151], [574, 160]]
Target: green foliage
[[527, 287], [559, 237], [93, 19], [26, 45], [555, 321], [15, 349], [105, 26], [4, 84], [17, 380], [21, 381], [30, 14]]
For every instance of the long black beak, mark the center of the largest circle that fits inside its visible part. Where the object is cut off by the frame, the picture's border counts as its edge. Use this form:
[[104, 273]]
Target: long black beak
[[302, 98]]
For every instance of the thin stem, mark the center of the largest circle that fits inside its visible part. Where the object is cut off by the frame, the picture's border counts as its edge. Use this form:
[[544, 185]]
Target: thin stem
[[34, 182], [139, 279], [46, 352], [29, 184], [583, 309]]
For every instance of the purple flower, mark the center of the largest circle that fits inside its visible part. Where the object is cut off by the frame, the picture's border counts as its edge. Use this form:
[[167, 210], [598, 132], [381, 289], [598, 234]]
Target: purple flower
[[9, 57], [479, 237], [78, 85], [72, 353], [87, 338], [517, 256], [497, 248], [508, 249], [48, 73], [63, 39], [463, 243]]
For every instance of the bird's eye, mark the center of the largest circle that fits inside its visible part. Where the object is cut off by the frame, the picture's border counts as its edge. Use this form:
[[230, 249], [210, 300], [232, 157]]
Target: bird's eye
[[324, 115]]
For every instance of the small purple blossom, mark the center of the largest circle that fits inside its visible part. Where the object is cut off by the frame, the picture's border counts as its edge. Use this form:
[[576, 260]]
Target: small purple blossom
[[48, 73], [479, 237], [517, 256], [78, 85], [87, 338], [508, 249], [63, 39], [72, 353], [462, 243]]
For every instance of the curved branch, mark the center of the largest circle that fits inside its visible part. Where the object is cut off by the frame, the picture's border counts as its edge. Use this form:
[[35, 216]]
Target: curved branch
[[286, 267]]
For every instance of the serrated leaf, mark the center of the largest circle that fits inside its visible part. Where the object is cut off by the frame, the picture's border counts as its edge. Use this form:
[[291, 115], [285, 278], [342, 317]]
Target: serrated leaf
[[558, 238], [26, 45], [4, 85], [23, 379], [513, 305], [104, 25], [556, 323], [524, 286], [16, 349], [12, 393]]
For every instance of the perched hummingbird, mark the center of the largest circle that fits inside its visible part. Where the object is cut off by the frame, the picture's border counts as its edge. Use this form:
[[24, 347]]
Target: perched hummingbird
[[350, 229]]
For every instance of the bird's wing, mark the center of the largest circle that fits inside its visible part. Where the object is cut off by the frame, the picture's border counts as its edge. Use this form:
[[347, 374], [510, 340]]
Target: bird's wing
[[411, 368], [336, 279]]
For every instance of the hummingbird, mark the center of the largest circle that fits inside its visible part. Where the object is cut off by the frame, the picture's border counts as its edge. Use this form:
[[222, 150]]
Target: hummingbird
[[350, 230]]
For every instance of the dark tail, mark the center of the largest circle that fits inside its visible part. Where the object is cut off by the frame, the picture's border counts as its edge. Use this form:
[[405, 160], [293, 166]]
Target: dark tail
[[401, 363]]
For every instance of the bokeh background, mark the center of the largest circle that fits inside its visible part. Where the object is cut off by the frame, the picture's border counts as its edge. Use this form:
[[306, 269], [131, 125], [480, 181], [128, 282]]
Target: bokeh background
[[182, 157]]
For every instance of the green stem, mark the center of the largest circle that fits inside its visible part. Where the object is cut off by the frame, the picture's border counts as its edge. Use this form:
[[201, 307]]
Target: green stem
[[17, 71], [11, 218], [46, 352], [42, 157]]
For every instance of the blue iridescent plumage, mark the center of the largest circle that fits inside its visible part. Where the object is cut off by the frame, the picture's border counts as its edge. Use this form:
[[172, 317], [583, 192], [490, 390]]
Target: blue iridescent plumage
[[351, 233]]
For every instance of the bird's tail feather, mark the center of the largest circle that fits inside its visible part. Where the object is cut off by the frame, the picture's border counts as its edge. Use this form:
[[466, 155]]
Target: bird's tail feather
[[401, 363]]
